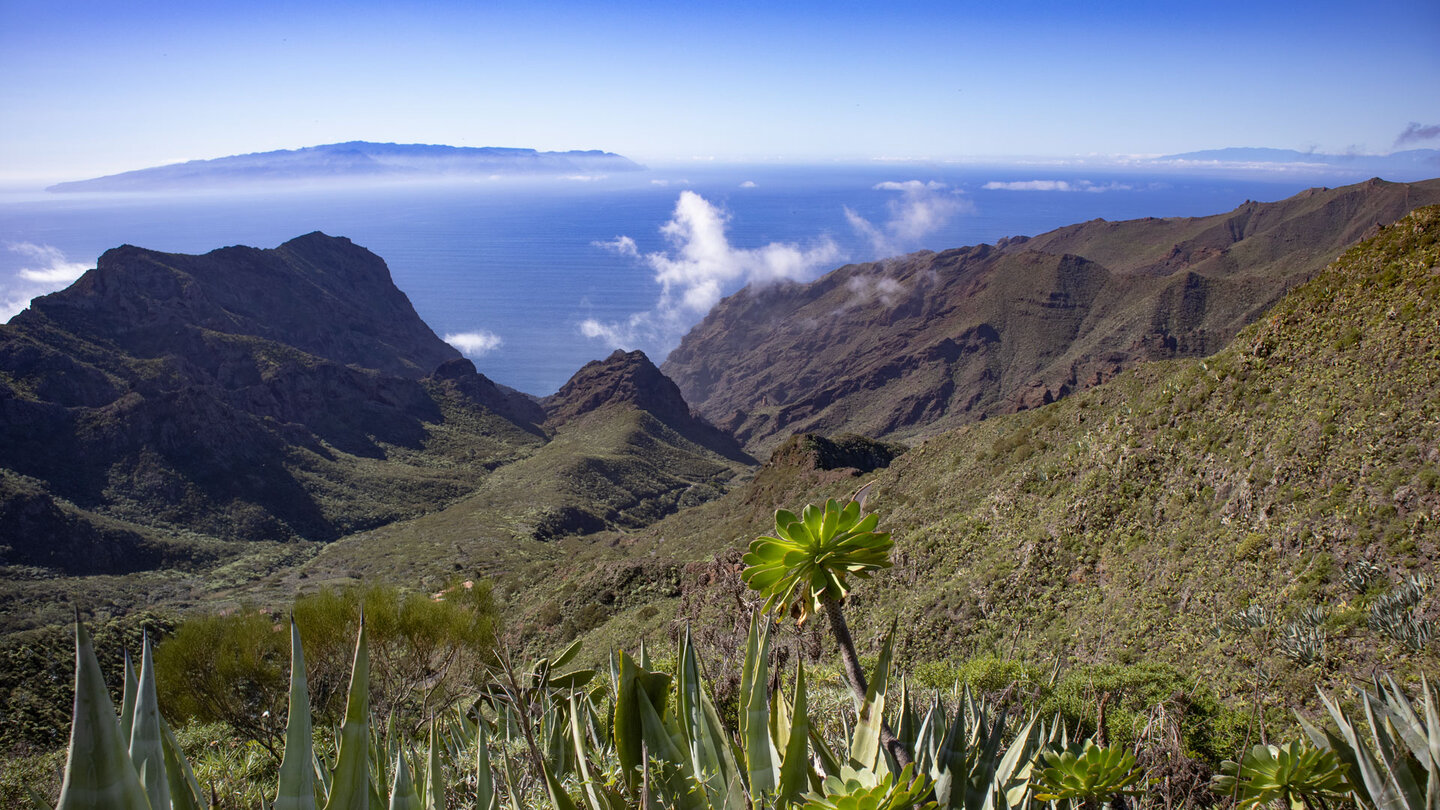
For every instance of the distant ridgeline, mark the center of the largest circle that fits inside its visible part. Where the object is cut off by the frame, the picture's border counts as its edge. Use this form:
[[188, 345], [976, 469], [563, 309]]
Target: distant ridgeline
[[355, 160]]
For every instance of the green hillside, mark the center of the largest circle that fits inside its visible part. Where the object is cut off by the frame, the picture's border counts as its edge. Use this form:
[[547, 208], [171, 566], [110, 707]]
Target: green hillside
[[1127, 522]]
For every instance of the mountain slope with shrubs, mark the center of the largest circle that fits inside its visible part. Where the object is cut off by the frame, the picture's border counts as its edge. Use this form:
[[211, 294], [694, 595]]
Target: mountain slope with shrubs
[[1263, 518]]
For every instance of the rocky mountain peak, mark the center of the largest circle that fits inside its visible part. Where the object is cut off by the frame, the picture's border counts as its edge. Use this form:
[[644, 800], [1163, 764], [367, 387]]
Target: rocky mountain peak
[[323, 295], [627, 378]]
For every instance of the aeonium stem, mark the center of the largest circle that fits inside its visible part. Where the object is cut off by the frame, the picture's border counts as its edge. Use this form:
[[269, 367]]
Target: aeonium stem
[[851, 663]]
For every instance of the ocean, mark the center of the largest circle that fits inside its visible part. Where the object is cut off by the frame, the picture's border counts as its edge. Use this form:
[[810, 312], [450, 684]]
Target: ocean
[[534, 278]]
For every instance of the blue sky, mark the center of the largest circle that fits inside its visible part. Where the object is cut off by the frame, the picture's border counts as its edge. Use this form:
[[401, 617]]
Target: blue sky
[[95, 88]]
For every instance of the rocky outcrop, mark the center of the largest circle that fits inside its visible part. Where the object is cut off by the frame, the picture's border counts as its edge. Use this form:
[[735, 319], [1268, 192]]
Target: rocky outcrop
[[318, 295]]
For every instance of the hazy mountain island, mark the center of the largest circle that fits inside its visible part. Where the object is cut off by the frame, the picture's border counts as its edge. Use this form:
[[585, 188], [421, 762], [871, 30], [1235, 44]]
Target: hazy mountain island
[[355, 161], [1425, 161]]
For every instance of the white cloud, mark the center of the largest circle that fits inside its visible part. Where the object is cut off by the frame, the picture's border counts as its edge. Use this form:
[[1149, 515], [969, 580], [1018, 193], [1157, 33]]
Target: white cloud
[[865, 289], [748, 184], [921, 209], [699, 268], [1053, 185], [475, 344], [47, 271], [623, 245]]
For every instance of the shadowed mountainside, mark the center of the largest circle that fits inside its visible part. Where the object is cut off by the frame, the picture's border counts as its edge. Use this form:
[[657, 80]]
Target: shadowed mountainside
[[923, 343]]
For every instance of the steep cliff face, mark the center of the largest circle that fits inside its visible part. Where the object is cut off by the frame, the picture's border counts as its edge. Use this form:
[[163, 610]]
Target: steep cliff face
[[923, 343]]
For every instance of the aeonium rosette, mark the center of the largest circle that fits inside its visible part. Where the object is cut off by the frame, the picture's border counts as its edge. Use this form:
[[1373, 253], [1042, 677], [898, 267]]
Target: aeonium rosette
[[808, 560]]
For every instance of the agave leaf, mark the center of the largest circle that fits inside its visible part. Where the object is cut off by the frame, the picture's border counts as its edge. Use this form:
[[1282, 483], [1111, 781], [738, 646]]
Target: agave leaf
[[185, 793], [634, 684], [1018, 753], [37, 802], [486, 797], [628, 742], [670, 767], [1380, 794], [147, 749], [1397, 771], [761, 758], [1406, 722], [98, 770], [795, 767], [510, 792], [559, 799], [296, 789], [582, 757], [711, 757], [434, 784], [404, 795], [127, 702], [865, 746], [350, 783]]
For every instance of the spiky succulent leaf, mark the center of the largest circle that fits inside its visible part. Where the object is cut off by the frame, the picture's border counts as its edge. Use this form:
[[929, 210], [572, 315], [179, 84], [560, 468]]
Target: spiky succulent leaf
[[486, 796], [147, 746], [761, 758], [185, 793], [296, 788], [98, 771], [795, 767], [865, 748], [350, 783], [433, 788], [404, 795]]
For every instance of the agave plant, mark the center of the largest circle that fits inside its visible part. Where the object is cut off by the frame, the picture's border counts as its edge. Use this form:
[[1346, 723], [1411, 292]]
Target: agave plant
[[1396, 765], [145, 769], [1295, 774]]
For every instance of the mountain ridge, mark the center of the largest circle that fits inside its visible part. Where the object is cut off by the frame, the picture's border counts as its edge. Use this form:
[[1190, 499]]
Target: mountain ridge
[[922, 343]]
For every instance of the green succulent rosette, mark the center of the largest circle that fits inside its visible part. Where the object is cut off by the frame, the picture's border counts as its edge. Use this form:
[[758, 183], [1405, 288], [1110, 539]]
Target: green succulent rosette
[[810, 558]]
